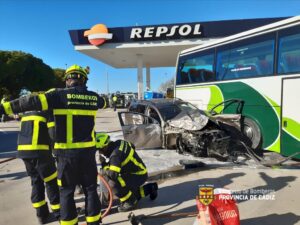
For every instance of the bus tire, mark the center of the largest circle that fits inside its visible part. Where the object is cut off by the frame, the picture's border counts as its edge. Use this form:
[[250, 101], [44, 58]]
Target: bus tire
[[252, 132]]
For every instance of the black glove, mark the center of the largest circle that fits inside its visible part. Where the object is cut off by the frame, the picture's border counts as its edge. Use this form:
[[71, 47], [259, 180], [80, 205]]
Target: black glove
[[112, 175]]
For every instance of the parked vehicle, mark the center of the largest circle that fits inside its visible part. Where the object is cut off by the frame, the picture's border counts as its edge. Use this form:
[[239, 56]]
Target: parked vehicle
[[152, 94], [167, 123], [129, 97]]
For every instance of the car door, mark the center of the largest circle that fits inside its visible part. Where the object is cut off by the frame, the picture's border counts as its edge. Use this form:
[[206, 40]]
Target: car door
[[141, 130]]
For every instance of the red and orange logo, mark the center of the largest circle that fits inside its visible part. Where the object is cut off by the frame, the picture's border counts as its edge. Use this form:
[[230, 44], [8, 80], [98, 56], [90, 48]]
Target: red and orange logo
[[98, 34]]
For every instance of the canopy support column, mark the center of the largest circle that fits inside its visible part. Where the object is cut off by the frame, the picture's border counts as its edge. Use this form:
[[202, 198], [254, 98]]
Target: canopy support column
[[148, 78], [140, 76]]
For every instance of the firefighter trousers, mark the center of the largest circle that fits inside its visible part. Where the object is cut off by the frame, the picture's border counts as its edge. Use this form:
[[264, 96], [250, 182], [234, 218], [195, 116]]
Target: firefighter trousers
[[81, 170], [130, 186], [42, 172]]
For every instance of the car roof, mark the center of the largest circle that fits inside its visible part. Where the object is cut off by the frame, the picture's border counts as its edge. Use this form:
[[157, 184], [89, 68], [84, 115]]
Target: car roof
[[159, 102]]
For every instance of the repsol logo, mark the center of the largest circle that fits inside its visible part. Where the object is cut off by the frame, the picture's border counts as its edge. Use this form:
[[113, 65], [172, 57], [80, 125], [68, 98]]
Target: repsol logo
[[164, 31], [82, 97]]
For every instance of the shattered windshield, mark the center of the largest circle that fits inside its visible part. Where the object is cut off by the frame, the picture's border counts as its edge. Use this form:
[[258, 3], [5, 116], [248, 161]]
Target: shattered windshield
[[170, 111]]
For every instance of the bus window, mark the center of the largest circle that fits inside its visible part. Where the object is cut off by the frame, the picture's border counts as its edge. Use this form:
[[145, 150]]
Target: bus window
[[248, 60], [196, 69], [289, 54]]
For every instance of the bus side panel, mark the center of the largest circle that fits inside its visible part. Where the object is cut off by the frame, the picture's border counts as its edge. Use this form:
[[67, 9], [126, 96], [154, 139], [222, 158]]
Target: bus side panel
[[204, 97], [257, 108], [290, 125]]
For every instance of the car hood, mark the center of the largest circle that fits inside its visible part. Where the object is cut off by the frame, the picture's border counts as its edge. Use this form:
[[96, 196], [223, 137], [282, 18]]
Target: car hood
[[189, 121]]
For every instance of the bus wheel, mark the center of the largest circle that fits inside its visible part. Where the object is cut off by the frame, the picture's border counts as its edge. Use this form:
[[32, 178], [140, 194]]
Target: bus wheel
[[252, 132]]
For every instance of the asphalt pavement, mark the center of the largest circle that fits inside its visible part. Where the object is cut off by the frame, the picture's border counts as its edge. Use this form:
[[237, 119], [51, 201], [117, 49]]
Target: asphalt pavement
[[178, 188]]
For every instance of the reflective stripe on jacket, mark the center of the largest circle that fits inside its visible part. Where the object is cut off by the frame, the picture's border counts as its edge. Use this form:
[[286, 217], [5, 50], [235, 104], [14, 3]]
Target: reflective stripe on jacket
[[124, 159], [33, 138], [74, 112]]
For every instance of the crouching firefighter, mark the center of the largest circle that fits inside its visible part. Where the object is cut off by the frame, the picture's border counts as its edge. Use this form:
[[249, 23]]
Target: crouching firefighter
[[34, 150], [74, 109], [125, 171]]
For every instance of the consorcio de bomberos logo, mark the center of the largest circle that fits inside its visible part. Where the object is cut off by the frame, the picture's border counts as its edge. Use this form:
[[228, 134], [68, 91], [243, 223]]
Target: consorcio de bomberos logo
[[98, 34], [206, 194]]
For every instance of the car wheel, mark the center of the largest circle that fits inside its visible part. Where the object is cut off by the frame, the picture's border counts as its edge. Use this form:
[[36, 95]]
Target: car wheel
[[252, 132]]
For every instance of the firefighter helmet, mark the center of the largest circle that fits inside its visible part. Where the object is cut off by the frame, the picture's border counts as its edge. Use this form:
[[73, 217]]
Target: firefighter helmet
[[102, 140], [76, 72]]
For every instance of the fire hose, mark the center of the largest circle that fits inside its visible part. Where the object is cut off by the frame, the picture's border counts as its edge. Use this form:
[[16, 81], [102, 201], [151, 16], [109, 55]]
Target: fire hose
[[110, 196]]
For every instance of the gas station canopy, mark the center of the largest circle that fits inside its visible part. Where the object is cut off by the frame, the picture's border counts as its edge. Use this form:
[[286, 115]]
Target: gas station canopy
[[153, 45], [124, 55]]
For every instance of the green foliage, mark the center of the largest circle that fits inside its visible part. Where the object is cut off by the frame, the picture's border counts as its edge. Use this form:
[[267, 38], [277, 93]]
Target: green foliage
[[59, 80], [4, 93], [19, 70]]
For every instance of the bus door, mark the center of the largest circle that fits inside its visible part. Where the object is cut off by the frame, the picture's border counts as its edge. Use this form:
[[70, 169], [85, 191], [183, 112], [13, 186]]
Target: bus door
[[290, 116]]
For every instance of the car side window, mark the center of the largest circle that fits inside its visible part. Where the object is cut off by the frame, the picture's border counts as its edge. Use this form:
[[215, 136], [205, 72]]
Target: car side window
[[133, 108], [141, 109], [138, 108], [153, 114]]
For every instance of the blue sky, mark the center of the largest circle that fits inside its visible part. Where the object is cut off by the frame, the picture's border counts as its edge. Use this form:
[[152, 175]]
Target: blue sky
[[40, 27]]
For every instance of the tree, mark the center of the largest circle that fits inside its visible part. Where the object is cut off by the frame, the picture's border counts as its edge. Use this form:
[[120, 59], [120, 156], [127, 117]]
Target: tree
[[59, 78], [19, 70], [168, 84], [4, 92]]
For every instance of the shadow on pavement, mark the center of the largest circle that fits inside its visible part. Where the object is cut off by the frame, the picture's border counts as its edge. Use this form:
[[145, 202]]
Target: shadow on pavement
[[15, 176], [186, 191], [179, 193], [273, 219], [275, 184], [176, 194]]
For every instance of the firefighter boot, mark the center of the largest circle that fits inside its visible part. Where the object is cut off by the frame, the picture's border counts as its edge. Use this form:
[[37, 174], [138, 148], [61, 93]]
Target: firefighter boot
[[153, 192], [47, 219], [43, 214], [56, 214], [128, 205]]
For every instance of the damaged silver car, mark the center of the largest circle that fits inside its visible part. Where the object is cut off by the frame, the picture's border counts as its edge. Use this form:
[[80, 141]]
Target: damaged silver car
[[168, 123]]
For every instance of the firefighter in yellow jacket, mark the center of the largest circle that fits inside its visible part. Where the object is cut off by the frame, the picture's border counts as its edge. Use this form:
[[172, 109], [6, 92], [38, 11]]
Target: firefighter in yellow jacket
[[34, 149], [74, 109], [125, 171]]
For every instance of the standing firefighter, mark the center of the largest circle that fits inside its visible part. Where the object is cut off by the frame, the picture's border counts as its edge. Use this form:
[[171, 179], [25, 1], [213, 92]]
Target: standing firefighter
[[115, 99], [3, 116], [34, 150], [125, 171], [74, 110]]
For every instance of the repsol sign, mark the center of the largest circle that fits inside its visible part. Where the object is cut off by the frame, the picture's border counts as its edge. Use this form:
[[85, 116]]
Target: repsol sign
[[166, 32]]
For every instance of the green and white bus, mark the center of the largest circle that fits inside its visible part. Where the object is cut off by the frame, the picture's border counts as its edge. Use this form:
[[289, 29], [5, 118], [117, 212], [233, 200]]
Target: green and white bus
[[262, 68]]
